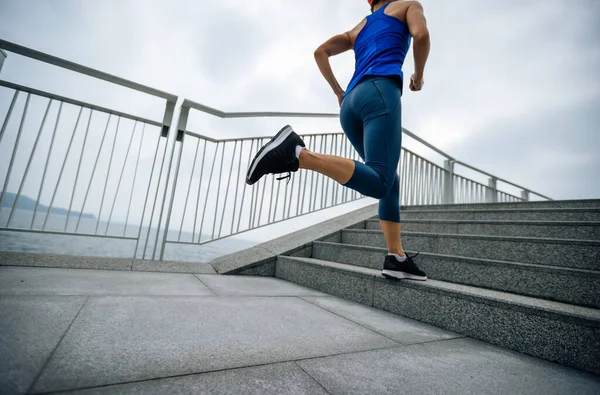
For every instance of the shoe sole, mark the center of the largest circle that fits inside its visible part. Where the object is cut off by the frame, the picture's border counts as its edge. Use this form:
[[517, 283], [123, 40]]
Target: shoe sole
[[271, 145], [402, 275]]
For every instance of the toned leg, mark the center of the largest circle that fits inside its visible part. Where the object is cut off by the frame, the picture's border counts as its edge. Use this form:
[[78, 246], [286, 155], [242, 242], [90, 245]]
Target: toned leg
[[335, 167], [391, 230]]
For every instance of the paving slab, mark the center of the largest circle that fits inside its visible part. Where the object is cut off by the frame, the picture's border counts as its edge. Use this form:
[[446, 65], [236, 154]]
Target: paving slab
[[396, 327], [276, 379], [457, 366], [255, 286], [54, 281], [30, 329], [121, 339]]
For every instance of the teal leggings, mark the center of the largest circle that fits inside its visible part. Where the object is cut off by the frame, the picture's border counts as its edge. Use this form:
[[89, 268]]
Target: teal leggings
[[371, 119]]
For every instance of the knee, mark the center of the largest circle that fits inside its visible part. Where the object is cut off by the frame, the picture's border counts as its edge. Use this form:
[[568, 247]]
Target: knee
[[382, 187]]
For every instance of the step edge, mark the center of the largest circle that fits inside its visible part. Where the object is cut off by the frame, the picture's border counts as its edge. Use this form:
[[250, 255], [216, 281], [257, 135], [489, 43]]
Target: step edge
[[494, 222], [511, 210], [576, 272], [539, 240], [551, 309]]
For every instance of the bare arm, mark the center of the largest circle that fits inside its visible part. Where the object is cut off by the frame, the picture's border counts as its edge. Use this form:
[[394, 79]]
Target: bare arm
[[334, 46], [417, 24]]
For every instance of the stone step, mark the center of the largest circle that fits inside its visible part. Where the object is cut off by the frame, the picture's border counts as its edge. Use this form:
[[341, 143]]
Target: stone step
[[554, 331], [538, 214], [574, 286], [579, 254], [585, 203], [550, 229]]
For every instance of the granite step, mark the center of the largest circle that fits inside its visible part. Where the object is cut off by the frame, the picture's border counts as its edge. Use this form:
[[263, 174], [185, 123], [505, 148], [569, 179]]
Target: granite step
[[579, 254], [574, 286], [521, 323], [583, 203], [513, 214], [550, 229]]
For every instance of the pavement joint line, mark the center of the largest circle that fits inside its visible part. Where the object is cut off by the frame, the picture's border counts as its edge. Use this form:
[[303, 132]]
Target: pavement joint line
[[350, 320], [56, 348], [314, 379], [227, 369], [203, 283]]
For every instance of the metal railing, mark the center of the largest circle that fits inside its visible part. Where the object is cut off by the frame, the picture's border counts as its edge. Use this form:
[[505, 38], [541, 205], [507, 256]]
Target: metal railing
[[157, 183]]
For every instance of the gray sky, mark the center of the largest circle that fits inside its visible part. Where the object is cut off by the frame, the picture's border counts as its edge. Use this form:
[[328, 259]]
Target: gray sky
[[511, 87]]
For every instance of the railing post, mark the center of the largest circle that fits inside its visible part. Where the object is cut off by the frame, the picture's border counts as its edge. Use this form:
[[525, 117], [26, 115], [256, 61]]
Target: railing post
[[181, 126], [525, 195], [167, 126], [2, 57], [448, 195], [491, 193]]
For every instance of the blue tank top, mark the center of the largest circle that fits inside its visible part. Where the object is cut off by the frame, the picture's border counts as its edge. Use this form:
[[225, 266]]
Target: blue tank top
[[380, 47]]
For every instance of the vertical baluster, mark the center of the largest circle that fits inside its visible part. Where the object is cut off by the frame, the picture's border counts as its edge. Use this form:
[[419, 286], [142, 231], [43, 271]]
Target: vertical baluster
[[345, 190], [237, 184], [34, 149], [160, 173], [137, 242], [85, 139], [12, 158], [137, 162], [189, 188], [244, 189], [227, 189], [199, 189], [212, 168], [335, 189], [61, 170], [9, 113], [262, 199], [107, 175], [120, 179], [271, 198], [48, 156], [302, 173], [93, 173], [218, 190], [306, 178]]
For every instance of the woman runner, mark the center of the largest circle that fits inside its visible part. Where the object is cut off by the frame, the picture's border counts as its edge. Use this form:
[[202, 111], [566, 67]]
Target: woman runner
[[370, 116]]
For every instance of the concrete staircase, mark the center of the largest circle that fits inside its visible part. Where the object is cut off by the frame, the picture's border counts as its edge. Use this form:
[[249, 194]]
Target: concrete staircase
[[524, 276]]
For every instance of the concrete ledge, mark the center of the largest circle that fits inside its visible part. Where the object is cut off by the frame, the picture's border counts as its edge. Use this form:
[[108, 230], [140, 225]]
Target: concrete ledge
[[101, 263], [296, 244], [63, 261]]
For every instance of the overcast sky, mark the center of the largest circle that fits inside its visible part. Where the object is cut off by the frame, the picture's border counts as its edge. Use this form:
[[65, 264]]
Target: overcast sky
[[511, 87]]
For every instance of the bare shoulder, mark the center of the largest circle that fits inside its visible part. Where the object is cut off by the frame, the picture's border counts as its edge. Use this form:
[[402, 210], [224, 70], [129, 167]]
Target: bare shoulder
[[399, 8], [356, 30]]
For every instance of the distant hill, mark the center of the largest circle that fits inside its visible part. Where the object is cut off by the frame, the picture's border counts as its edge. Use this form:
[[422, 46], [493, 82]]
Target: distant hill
[[26, 203]]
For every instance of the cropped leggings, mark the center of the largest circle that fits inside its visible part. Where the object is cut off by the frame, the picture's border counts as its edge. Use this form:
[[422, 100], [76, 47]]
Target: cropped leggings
[[371, 119]]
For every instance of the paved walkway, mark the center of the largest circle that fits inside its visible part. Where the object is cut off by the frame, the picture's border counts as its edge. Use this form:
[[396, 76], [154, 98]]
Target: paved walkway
[[107, 332]]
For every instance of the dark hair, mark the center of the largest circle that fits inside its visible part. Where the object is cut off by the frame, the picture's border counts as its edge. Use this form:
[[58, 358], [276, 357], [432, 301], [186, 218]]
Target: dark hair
[[373, 4]]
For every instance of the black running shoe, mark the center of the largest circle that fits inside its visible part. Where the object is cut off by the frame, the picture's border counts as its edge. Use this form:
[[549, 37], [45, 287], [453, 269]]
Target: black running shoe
[[407, 269], [276, 157]]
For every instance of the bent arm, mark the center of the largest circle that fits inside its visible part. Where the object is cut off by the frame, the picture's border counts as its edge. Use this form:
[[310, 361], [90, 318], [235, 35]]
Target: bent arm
[[334, 46], [417, 24]]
